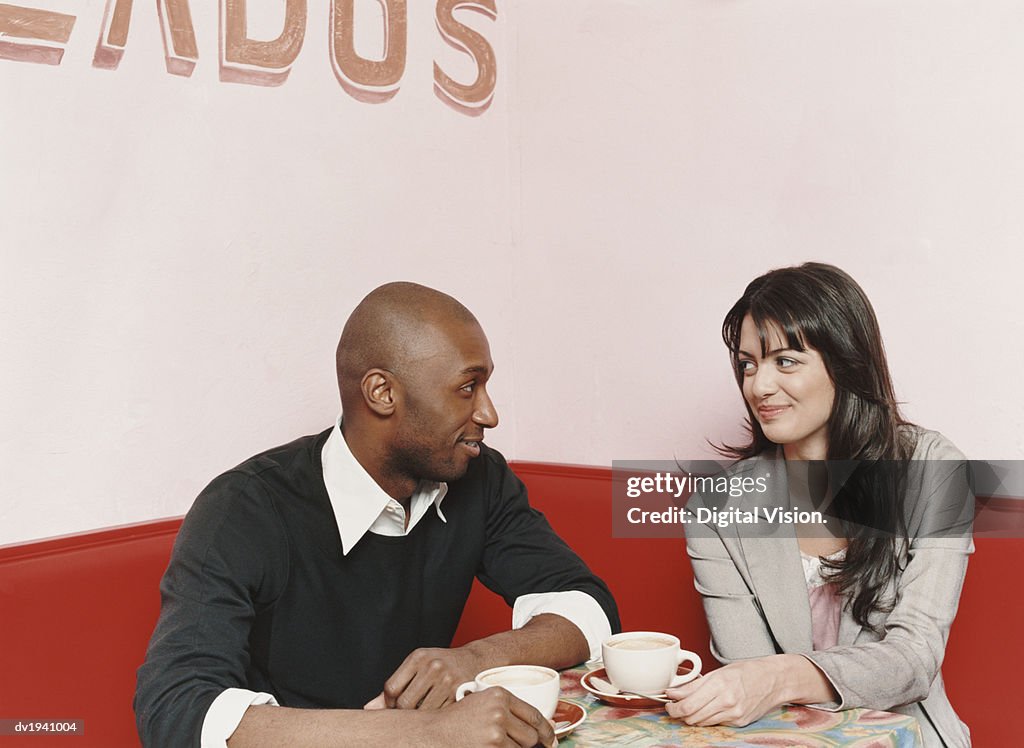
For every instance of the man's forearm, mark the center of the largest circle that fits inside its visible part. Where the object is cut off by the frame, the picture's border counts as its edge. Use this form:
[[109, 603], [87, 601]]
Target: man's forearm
[[485, 720], [548, 639], [267, 726]]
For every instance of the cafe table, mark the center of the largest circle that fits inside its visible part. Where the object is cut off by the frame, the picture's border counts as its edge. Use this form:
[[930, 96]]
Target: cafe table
[[796, 726]]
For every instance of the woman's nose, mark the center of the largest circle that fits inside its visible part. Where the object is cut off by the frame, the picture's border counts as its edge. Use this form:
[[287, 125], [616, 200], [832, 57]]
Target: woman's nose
[[763, 382]]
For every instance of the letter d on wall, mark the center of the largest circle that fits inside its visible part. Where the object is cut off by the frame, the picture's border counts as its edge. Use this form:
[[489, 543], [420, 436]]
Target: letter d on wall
[[263, 63], [475, 98]]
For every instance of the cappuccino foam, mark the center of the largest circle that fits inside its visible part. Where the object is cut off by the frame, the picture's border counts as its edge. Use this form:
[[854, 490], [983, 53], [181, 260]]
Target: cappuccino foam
[[516, 678], [642, 642]]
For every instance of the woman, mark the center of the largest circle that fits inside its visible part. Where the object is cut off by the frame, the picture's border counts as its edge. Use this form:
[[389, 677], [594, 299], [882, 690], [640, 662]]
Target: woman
[[852, 612]]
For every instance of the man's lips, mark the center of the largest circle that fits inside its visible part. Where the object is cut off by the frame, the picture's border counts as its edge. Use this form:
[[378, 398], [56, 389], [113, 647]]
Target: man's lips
[[472, 444]]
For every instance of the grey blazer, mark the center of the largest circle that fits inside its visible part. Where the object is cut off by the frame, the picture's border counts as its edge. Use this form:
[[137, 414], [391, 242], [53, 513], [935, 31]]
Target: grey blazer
[[756, 603]]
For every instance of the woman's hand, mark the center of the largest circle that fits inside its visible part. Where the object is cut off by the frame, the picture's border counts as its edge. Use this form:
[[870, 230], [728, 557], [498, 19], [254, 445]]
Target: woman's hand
[[736, 695], [745, 691]]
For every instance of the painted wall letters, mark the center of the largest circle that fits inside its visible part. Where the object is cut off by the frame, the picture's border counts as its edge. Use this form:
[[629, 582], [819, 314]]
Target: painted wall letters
[[475, 98], [30, 35], [373, 81], [40, 36], [266, 63], [179, 37]]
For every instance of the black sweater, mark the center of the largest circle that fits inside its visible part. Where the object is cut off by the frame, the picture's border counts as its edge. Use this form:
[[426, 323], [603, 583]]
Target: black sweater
[[258, 594]]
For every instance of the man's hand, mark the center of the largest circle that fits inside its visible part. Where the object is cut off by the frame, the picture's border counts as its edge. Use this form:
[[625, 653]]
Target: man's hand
[[427, 679], [489, 719]]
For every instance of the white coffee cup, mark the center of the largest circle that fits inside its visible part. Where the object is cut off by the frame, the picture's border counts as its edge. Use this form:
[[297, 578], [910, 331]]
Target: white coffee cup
[[647, 661], [537, 686]]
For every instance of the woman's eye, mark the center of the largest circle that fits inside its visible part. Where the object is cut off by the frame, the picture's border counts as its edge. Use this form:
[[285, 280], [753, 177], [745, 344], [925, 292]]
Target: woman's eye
[[746, 367], [785, 363]]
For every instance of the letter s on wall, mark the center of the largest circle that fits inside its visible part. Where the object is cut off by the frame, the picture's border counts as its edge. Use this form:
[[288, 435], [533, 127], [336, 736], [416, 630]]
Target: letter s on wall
[[475, 98]]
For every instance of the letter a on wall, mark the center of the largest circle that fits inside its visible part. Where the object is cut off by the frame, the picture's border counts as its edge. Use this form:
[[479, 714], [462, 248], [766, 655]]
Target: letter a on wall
[[179, 37]]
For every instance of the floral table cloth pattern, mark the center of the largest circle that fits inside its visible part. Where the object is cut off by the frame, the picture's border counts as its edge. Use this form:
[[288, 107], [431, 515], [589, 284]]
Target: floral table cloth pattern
[[790, 726]]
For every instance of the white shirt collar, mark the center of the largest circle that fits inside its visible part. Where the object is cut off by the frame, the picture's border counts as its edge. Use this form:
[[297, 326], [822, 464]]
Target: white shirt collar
[[360, 505]]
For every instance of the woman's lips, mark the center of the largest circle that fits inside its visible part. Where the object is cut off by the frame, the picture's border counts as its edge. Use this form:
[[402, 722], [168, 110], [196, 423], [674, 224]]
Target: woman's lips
[[768, 412]]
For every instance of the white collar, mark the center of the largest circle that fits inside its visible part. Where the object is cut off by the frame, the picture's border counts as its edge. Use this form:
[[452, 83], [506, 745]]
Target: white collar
[[360, 505]]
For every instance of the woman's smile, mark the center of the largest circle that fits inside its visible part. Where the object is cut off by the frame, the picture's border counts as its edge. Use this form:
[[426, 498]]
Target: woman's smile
[[789, 391]]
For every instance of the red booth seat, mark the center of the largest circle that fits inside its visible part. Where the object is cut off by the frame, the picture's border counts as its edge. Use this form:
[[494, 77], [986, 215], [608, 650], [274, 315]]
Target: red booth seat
[[76, 613]]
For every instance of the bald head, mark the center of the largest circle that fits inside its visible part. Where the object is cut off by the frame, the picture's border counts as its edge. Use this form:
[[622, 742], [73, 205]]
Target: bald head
[[392, 327]]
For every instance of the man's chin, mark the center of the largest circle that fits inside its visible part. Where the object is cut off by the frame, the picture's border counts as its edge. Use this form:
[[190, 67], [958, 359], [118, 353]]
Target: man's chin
[[457, 469], [454, 474], [447, 474]]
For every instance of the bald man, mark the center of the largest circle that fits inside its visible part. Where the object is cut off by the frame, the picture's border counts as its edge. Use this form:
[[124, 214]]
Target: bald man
[[314, 590]]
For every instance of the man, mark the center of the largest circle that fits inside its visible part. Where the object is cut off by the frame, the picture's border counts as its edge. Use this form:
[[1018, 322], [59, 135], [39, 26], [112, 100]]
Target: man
[[329, 574]]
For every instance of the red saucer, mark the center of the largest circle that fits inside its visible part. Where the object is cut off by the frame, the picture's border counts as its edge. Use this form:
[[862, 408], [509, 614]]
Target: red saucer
[[619, 699], [566, 711]]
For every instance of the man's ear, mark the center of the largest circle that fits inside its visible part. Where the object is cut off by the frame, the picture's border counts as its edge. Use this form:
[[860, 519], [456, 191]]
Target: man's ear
[[378, 387]]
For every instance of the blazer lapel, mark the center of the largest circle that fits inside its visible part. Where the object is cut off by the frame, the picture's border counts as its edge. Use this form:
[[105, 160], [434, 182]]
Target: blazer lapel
[[849, 629], [851, 632], [773, 562]]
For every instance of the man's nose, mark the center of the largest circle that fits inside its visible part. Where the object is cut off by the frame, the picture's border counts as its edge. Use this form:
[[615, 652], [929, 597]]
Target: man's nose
[[485, 414]]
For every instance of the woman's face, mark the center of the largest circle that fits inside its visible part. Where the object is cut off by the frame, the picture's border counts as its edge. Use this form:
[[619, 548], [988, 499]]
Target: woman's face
[[789, 392]]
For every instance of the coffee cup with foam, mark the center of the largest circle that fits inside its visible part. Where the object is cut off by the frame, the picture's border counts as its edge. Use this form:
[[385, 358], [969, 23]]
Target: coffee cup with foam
[[537, 686], [647, 661]]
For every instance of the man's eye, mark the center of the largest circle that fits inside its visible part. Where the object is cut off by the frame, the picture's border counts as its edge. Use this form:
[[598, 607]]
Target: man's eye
[[469, 387]]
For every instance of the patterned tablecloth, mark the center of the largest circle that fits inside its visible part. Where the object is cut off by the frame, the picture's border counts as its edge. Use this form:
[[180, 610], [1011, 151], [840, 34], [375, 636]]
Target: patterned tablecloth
[[792, 726]]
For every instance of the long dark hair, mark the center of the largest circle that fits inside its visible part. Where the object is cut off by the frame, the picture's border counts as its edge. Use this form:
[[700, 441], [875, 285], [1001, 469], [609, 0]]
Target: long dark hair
[[819, 306]]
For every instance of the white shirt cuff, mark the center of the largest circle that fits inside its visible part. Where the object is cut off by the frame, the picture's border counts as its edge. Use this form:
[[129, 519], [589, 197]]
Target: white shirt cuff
[[226, 712], [578, 607]]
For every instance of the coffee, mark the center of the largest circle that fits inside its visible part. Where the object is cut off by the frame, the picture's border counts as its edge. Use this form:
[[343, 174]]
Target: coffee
[[642, 642], [647, 661], [516, 678], [537, 686]]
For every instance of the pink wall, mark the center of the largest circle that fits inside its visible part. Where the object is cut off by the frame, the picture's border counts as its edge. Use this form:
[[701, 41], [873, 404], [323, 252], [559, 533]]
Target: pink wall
[[672, 151], [179, 252]]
